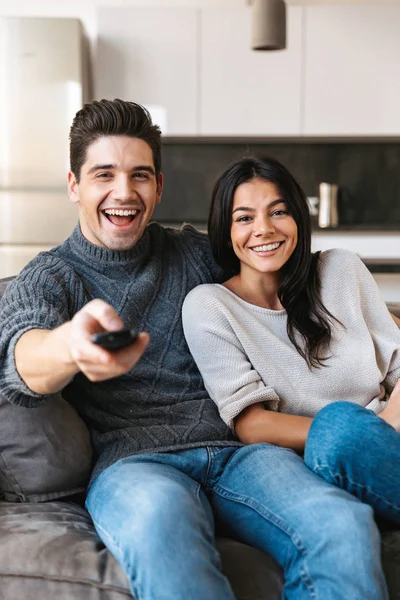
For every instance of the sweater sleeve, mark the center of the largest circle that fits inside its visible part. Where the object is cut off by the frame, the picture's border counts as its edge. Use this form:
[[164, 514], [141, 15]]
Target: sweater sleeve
[[229, 377], [36, 299], [384, 332]]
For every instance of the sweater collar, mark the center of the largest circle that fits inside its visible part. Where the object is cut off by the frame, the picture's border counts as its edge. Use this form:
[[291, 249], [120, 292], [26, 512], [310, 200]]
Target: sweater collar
[[101, 258]]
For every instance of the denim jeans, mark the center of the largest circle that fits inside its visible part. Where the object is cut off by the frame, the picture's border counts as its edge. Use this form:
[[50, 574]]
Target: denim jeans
[[357, 451], [156, 513]]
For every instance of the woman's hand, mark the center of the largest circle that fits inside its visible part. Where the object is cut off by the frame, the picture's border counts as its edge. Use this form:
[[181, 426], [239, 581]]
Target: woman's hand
[[391, 414]]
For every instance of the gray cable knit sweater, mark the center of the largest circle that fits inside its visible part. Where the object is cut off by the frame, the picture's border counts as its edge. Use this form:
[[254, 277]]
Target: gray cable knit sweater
[[245, 355], [161, 404]]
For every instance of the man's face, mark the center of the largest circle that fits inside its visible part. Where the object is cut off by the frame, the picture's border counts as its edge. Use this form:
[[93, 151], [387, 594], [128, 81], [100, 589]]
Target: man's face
[[117, 192]]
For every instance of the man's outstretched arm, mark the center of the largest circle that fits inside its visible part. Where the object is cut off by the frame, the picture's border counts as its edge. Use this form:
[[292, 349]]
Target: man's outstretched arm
[[48, 360]]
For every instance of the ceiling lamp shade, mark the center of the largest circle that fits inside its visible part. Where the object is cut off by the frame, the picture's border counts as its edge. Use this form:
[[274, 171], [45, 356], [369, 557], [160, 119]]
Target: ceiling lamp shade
[[268, 28]]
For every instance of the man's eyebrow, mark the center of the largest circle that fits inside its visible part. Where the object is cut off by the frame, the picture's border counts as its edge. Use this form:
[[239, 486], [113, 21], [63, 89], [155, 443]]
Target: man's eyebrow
[[109, 167], [147, 168], [100, 168], [250, 209]]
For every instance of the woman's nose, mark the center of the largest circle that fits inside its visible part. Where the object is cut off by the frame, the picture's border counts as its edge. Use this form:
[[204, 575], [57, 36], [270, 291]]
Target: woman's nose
[[263, 227]]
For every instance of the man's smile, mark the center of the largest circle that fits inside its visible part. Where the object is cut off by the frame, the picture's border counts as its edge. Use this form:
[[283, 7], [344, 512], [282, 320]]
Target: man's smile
[[120, 216]]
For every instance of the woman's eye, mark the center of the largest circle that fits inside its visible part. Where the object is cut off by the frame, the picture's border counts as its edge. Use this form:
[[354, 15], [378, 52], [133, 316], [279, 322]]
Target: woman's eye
[[243, 219], [278, 213]]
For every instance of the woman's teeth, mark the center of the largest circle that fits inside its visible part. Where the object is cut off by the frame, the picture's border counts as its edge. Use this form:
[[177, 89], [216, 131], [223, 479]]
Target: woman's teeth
[[266, 247]]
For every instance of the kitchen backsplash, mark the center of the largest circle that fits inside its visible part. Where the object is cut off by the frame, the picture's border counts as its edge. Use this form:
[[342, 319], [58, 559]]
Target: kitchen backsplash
[[368, 175]]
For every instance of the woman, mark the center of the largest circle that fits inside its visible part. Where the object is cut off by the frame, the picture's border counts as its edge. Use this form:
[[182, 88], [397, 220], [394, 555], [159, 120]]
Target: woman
[[297, 349]]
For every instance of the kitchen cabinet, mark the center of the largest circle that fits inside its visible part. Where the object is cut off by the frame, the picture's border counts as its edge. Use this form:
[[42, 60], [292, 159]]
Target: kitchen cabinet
[[149, 55], [352, 72], [373, 246], [243, 92]]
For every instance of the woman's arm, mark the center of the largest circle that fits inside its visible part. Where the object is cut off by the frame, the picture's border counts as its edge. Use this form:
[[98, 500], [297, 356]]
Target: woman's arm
[[228, 375], [255, 425]]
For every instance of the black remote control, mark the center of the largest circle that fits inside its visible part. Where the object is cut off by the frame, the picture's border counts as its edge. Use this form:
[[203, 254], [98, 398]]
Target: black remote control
[[114, 340]]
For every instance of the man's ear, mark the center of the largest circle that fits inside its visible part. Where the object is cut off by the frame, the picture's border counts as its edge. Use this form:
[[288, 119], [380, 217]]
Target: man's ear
[[160, 184], [73, 188]]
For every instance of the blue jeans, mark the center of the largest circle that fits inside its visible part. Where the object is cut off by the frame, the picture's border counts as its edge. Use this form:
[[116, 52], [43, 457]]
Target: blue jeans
[[156, 515], [352, 448]]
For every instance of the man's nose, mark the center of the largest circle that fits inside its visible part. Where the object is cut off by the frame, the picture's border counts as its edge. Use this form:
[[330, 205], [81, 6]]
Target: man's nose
[[124, 188]]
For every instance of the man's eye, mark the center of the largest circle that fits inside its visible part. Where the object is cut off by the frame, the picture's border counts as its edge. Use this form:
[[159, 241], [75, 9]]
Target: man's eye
[[140, 176], [103, 175]]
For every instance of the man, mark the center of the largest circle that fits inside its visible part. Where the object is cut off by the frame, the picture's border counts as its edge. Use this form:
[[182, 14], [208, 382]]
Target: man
[[166, 463]]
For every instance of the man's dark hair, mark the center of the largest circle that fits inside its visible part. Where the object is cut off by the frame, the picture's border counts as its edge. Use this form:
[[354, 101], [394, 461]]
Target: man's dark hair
[[111, 117], [299, 290]]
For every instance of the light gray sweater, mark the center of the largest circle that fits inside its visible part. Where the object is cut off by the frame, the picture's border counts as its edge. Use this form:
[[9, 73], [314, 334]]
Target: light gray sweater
[[245, 356]]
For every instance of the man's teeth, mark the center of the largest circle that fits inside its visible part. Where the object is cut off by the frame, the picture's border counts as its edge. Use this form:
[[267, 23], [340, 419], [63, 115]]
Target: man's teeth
[[266, 248], [120, 213]]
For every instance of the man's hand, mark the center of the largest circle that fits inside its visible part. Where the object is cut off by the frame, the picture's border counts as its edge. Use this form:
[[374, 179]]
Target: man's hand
[[97, 363], [391, 414], [48, 360]]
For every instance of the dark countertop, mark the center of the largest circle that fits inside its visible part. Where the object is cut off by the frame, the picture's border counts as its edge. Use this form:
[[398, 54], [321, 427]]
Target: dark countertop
[[378, 266]]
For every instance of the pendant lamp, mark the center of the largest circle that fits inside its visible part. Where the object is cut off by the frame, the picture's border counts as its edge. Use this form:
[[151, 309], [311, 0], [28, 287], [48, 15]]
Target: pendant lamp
[[268, 28]]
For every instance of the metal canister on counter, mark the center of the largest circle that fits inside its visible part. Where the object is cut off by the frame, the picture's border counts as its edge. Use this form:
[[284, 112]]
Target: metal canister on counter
[[328, 205]]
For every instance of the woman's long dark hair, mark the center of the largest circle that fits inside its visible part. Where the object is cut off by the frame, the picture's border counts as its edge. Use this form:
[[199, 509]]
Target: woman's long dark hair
[[299, 290]]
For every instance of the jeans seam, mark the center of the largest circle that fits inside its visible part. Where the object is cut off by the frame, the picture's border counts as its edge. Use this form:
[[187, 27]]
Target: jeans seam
[[210, 529], [282, 525], [337, 477], [115, 543], [210, 456]]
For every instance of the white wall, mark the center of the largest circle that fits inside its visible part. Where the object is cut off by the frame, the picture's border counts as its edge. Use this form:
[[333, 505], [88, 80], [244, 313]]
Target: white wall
[[86, 10]]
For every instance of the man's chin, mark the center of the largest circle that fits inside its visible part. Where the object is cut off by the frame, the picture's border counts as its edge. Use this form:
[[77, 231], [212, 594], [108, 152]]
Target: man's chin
[[120, 244]]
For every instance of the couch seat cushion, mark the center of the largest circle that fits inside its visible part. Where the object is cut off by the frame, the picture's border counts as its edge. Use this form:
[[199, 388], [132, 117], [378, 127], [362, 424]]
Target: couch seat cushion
[[51, 550]]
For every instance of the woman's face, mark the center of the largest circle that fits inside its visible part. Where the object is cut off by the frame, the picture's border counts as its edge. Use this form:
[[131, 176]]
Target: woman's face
[[263, 233]]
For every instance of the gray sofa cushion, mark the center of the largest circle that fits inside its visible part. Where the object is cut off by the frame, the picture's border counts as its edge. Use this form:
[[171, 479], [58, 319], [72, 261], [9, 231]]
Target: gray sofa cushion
[[45, 452], [51, 550]]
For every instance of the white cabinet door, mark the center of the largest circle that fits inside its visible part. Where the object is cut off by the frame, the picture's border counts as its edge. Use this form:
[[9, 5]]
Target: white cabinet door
[[149, 56], [352, 69], [244, 92]]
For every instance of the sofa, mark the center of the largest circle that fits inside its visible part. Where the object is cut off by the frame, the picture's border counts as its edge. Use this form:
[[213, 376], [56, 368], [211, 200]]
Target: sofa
[[48, 546]]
